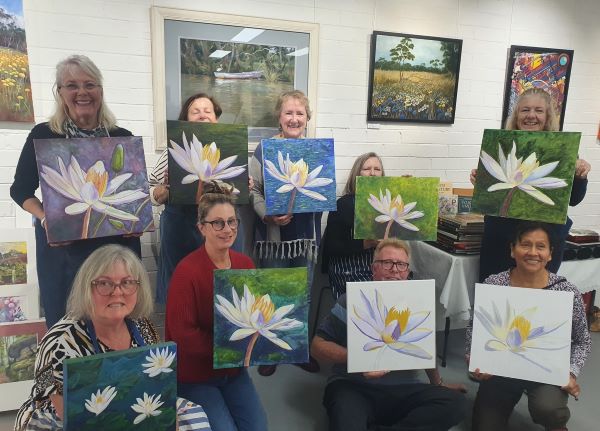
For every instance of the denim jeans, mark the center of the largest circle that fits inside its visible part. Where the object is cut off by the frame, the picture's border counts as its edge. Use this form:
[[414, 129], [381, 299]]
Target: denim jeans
[[231, 403]]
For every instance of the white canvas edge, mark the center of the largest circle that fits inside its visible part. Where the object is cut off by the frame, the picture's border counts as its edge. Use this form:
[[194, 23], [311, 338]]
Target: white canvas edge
[[19, 235], [429, 285], [475, 360]]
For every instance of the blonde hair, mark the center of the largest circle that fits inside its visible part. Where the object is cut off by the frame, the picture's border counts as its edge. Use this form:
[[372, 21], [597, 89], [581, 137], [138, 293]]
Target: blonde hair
[[350, 187], [293, 94], [80, 304], [391, 242], [551, 117], [57, 120]]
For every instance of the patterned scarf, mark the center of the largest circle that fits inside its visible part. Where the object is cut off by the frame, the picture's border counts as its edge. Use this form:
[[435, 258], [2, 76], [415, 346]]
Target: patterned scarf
[[73, 131]]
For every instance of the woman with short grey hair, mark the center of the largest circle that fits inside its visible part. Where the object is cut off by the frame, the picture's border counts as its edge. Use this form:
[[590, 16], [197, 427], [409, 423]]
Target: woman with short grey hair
[[80, 112]]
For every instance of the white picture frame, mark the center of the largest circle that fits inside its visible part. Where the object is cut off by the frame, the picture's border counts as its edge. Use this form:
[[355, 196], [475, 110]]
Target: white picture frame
[[507, 341], [370, 304], [160, 16], [26, 235]]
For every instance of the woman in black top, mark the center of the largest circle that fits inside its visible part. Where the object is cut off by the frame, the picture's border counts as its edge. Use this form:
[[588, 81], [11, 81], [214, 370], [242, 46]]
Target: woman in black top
[[345, 258], [80, 112]]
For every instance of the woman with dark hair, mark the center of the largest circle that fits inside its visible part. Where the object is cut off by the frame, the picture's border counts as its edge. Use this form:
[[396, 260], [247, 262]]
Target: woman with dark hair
[[533, 111], [531, 248], [345, 258], [178, 233], [227, 395], [80, 111]]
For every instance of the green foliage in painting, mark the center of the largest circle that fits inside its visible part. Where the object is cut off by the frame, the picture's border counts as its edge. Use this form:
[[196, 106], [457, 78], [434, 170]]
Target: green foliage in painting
[[526, 175]]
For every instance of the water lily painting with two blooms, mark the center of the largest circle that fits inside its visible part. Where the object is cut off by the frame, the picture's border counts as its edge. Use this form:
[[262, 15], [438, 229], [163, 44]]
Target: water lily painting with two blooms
[[93, 187], [260, 317], [391, 325], [299, 175], [122, 390], [399, 207], [205, 152], [522, 333], [526, 175]]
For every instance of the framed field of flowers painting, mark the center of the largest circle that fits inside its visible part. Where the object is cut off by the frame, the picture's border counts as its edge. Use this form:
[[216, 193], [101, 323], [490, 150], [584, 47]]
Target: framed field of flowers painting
[[522, 333], [122, 390], [203, 152], [399, 207], [413, 78], [391, 325], [526, 175], [93, 187], [261, 317], [299, 175]]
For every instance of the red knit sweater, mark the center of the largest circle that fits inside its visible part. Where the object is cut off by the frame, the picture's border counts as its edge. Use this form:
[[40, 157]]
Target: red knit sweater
[[189, 315]]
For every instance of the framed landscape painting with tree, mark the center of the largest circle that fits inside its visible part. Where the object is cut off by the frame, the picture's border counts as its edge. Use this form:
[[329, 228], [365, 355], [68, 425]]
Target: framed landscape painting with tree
[[413, 78]]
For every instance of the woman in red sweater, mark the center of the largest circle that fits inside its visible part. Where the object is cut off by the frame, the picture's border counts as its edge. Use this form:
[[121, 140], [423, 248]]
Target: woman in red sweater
[[227, 395]]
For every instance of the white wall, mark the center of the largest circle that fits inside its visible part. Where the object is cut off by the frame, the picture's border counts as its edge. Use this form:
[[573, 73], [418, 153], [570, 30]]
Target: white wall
[[116, 35]]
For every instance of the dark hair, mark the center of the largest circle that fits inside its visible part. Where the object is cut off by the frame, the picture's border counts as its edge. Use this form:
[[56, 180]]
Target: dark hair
[[214, 193], [183, 114], [530, 226]]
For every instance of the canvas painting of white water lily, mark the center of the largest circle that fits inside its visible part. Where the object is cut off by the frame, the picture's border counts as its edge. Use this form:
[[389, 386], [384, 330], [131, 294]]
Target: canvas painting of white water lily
[[205, 152], [299, 175], [261, 317], [122, 390], [391, 325], [93, 187], [522, 333], [396, 207], [526, 175]]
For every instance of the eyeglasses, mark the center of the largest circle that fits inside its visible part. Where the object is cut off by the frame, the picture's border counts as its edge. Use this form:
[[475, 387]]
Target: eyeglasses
[[72, 87], [107, 287], [389, 265], [219, 224]]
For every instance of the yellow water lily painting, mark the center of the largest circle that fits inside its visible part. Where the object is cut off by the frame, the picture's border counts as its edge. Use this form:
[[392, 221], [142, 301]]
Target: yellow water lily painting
[[391, 325], [522, 333], [526, 175]]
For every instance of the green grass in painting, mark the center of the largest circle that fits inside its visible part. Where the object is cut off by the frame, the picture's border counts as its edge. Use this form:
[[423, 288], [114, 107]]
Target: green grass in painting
[[420, 190], [548, 147]]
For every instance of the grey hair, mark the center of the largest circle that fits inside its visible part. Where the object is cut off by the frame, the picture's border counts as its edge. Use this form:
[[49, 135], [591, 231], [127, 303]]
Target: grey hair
[[56, 122], [551, 120], [80, 304], [350, 187]]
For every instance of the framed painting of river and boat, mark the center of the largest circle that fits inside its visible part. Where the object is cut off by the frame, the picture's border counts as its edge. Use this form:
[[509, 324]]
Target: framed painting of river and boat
[[245, 63]]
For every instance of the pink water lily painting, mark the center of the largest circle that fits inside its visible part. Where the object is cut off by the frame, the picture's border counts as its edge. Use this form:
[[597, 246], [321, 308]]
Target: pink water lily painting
[[93, 187]]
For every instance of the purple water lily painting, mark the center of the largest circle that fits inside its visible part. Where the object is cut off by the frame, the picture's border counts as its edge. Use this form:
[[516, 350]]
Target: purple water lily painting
[[93, 187]]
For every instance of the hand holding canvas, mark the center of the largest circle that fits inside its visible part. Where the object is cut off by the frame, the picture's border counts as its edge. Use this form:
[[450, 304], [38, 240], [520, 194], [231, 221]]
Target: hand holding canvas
[[58, 403], [281, 220], [161, 191], [374, 374], [582, 168], [572, 388]]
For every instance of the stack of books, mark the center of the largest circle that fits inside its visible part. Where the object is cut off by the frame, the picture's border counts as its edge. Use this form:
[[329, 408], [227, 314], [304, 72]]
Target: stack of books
[[460, 233], [582, 244]]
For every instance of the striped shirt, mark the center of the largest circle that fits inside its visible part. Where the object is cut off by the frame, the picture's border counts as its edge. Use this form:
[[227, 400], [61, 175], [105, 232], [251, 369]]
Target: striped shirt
[[157, 176]]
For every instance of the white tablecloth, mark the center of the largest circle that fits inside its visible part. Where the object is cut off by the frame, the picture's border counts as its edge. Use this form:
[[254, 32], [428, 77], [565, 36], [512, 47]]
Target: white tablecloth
[[455, 277]]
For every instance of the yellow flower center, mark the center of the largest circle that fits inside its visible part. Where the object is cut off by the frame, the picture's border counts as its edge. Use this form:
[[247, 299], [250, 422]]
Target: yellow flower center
[[526, 169], [400, 316], [265, 306], [398, 204], [522, 325], [301, 168], [99, 400], [211, 154], [98, 176]]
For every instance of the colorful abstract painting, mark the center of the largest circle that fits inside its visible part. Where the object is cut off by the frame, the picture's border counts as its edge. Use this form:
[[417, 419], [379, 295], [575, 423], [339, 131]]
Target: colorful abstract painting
[[526, 175], [544, 68], [93, 187], [12, 308], [18, 347], [413, 78], [391, 325], [122, 390], [522, 333], [299, 175], [203, 152], [399, 207], [13, 262], [15, 84], [261, 317]]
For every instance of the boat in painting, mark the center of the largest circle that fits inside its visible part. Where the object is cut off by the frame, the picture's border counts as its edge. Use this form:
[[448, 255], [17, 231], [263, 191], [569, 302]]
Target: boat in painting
[[255, 74]]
